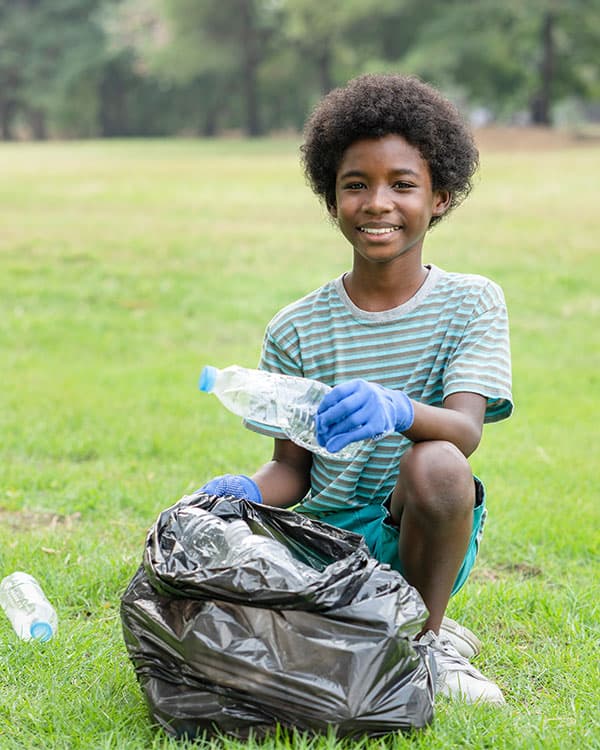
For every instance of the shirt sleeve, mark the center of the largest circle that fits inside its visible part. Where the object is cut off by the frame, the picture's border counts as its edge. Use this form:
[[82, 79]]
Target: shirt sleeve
[[481, 362], [275, 357]]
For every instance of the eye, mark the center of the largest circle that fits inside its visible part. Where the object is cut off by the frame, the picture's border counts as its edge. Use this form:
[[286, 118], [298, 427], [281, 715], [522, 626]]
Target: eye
[[401, 185], [354, 186]]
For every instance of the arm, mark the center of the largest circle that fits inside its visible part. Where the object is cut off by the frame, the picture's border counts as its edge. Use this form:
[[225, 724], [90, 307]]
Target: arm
[[285, 479], [459, 421], [359, 409]]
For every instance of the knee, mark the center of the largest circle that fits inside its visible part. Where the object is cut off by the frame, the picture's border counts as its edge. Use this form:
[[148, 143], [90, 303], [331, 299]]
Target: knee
[[436, 481]]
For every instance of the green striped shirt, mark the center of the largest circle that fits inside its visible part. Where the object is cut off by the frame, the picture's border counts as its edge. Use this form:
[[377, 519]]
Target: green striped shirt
[[451, 336]]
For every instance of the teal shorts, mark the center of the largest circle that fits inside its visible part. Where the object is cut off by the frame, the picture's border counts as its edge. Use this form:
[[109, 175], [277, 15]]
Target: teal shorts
[[374, 523]]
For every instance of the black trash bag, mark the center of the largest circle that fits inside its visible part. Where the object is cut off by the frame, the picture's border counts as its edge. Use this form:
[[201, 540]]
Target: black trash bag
[[223, 651]]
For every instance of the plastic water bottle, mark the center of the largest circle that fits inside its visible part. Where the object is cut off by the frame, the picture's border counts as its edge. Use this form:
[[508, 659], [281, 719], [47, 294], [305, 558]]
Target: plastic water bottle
[[203, 536], [26, 606], [215, 543], [283, 401]]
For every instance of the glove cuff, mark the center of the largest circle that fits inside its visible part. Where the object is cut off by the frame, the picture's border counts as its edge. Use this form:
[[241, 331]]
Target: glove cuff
[[237, 485], [404, 411], [251, 490]]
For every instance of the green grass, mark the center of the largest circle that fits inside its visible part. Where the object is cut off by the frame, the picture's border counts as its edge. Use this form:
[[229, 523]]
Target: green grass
[[125, 267]]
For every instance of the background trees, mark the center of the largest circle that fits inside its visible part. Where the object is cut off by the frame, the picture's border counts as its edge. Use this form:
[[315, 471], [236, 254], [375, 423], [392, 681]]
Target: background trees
[[79, 68]]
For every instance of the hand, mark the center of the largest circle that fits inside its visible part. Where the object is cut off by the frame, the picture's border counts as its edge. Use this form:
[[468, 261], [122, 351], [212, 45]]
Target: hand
[[357, 410], [237, 485]]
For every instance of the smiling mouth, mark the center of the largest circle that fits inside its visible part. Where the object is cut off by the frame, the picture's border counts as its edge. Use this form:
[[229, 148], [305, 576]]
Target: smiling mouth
[[378, 230]]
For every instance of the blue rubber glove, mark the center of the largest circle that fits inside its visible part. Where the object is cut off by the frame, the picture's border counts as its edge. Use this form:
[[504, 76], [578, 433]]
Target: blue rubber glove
[[237, 485], [357, 410]]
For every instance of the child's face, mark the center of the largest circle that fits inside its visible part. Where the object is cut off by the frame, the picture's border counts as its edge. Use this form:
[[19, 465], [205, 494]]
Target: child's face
[[384, 200]]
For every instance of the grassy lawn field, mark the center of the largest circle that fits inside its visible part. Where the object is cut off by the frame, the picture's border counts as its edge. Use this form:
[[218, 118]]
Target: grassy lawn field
[[125, 267]]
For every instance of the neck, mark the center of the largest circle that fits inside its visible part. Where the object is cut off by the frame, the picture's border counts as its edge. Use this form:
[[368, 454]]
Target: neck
[[378, 288]]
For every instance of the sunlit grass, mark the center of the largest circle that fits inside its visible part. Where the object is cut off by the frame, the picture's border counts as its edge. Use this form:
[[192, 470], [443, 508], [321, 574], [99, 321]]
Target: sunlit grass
[[125, 267]]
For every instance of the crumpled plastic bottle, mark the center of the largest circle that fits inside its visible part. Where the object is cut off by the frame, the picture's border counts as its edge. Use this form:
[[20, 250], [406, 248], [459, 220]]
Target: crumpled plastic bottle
[[283, 401], [215, 543]]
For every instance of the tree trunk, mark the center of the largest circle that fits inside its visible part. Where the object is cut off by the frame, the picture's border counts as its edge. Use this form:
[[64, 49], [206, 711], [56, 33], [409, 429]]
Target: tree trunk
[[112, 113], [7, 111], [214, 92], [250, 64], [324, 69], [542, 101], [209, 124], [37, 120]]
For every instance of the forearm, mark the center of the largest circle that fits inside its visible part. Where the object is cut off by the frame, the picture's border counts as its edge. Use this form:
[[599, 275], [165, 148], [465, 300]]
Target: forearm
[[280, 484], [285, 480], [459, 422], [358, 409]]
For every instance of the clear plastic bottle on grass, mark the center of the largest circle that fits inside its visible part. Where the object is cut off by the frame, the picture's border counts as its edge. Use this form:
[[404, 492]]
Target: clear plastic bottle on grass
[[26, 606], [283, 401]]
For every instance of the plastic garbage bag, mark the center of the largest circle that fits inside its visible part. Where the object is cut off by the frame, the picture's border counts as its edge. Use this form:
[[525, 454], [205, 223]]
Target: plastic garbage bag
[[239, 649]]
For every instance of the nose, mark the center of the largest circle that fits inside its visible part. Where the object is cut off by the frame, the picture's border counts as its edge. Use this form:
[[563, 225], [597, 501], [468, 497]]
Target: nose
[[378, 200]]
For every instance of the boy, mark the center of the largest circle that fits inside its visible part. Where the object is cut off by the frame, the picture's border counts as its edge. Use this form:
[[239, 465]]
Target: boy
[[405, 346]]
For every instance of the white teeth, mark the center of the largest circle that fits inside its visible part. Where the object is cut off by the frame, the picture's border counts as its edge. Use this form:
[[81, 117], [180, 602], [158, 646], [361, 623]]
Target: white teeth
[[383, 230]]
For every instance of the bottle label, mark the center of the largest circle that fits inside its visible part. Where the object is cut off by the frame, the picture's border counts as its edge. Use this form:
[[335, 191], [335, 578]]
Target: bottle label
[[18, 598]]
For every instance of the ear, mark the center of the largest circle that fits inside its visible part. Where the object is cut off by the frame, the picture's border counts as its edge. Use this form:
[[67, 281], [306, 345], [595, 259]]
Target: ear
[[441, 202], [332, 208]]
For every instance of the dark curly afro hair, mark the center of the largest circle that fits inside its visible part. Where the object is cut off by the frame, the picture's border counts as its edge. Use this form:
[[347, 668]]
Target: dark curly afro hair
[[375, 105]]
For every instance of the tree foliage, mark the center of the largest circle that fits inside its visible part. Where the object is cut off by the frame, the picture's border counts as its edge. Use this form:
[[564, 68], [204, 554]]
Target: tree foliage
[[511, 56], [119, 67]]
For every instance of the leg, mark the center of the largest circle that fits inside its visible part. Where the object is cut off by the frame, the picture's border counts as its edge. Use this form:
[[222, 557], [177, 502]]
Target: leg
[[432, 503]]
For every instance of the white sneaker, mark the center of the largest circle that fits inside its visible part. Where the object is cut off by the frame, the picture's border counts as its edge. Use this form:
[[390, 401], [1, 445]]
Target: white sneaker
[[455, 677], [464, 641]]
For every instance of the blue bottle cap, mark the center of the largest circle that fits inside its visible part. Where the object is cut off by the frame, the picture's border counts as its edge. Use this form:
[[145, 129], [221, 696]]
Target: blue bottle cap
[[208, 377], [40, 630]]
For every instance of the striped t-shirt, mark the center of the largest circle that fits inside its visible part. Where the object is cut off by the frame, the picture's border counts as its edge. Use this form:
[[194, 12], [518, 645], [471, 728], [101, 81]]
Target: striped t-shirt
[[451, 336]]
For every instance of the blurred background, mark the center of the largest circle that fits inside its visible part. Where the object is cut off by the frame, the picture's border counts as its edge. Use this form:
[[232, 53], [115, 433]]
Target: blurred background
[[72, 69], [127, 263]]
